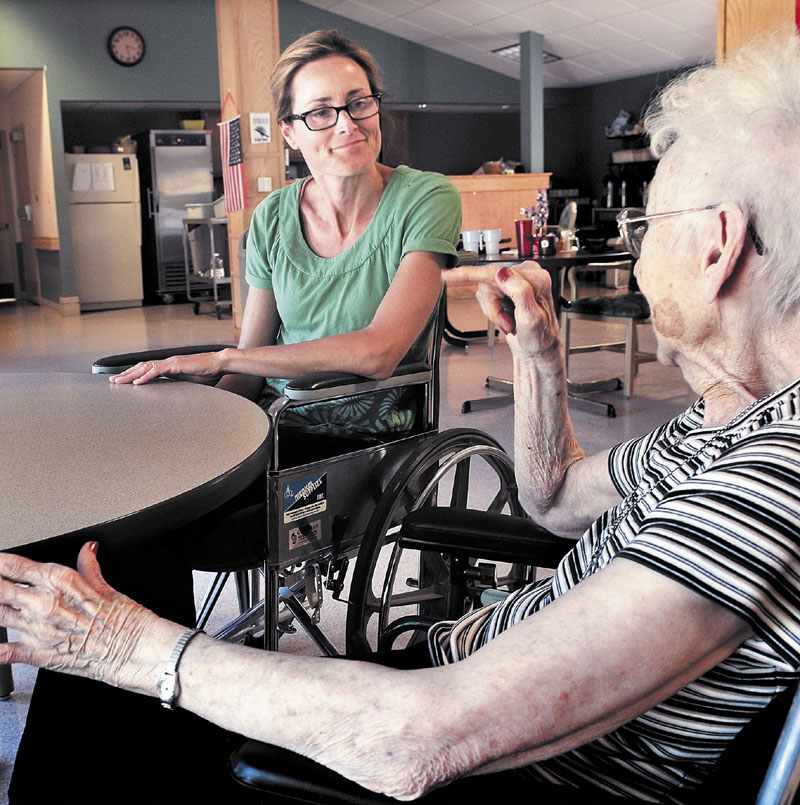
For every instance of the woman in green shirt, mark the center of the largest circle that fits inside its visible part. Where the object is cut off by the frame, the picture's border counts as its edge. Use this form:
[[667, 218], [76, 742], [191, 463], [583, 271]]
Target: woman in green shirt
[[344, 268]]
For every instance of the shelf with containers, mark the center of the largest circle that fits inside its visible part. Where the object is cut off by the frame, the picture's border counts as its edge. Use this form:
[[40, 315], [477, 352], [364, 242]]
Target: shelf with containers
[[630, 171], [205, 250]]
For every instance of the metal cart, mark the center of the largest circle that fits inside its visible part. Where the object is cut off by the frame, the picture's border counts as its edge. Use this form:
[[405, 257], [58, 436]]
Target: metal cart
[[205, 239]]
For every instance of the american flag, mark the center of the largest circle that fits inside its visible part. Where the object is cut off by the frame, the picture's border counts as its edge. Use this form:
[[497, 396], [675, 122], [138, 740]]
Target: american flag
[[230, 140]]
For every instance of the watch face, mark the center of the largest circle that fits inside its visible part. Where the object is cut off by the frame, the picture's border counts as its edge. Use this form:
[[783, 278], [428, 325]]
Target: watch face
[[126, 46]]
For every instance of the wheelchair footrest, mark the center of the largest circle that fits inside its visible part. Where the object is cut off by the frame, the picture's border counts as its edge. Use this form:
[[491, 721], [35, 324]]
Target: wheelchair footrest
[[466, 532]]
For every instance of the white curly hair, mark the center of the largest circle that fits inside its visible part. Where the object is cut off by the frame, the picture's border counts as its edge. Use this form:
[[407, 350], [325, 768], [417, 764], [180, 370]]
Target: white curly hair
[[735, 130]]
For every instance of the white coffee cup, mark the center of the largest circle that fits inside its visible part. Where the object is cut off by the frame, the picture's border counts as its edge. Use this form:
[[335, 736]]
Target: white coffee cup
[[471, 239], [491, 241]]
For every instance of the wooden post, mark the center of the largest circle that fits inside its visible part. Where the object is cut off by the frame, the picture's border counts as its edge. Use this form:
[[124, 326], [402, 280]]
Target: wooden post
[[740, 20], [248, 46]]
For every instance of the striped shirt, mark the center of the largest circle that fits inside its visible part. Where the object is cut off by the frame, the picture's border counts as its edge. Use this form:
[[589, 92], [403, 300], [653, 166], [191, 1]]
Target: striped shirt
[[717, 510]]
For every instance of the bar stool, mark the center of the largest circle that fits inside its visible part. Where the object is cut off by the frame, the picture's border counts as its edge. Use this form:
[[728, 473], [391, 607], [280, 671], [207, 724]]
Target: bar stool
[[630, 307]]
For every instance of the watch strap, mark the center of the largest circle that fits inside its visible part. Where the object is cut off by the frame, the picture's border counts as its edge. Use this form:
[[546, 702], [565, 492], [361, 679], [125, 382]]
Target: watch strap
[[168, 687]]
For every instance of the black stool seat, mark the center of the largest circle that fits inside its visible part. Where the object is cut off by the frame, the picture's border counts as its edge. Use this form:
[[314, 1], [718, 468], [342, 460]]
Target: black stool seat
[[628, 306]]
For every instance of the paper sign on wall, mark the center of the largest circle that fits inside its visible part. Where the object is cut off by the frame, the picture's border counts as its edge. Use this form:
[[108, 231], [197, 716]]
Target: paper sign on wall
[[260, 127]]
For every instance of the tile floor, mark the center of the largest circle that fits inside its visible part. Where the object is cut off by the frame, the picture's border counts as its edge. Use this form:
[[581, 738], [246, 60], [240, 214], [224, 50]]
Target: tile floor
[[38, 339]]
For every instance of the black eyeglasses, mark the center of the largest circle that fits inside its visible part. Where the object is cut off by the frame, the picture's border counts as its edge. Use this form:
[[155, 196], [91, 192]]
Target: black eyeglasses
[[633, 225], [325, 117]]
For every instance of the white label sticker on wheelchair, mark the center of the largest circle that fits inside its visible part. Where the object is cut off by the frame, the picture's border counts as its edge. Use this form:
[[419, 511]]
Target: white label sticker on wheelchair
[[305, 534], [305, 497]]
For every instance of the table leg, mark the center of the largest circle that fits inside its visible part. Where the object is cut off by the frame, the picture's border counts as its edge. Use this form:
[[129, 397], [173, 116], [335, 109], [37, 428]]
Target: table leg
[[574, 390]]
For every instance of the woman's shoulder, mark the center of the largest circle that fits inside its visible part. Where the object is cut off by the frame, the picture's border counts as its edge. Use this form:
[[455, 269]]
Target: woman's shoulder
[[412, 177], [409, 187], [273, 213]]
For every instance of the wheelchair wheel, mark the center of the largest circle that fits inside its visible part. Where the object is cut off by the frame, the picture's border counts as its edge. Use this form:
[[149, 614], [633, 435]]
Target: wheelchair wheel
[[462, 468]]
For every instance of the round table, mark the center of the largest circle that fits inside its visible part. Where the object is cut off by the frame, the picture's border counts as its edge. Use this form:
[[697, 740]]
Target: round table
[[86, 459]]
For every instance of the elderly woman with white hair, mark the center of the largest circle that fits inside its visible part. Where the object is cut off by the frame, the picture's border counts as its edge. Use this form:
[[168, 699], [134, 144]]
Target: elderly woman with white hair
[[676, 617]]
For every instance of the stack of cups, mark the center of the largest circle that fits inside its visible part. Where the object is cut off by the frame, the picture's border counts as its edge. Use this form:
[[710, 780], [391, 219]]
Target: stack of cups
[[491, 241], [471, 238]]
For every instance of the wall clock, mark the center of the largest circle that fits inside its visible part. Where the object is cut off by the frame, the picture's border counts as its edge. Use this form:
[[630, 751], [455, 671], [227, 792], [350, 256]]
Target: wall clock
[[126, 46]]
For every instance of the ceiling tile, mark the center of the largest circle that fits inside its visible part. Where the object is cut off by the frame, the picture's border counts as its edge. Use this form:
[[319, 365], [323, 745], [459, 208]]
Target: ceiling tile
[[595, 9], [361, 11], [643, 25], [393, 8], [547, 18], [650, 35], [434, 21], [471, 13], [687, 46], [399, 26], [602, 60], [600, 36], [690, 14]]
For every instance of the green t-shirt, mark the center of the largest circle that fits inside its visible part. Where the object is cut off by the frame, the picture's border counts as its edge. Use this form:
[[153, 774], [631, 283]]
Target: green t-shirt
[[320, 296]]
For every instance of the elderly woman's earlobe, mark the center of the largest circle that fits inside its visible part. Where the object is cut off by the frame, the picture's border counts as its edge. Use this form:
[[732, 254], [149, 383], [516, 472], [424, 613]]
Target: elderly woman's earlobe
[[721, 257]]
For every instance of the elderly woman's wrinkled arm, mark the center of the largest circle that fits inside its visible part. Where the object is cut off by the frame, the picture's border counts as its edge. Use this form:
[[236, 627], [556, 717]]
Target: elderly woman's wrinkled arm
[[560, 487], [537, 690]]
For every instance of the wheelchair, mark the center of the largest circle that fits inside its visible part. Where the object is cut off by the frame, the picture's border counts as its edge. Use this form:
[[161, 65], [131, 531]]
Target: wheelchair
[[329, 505], [762, 765]]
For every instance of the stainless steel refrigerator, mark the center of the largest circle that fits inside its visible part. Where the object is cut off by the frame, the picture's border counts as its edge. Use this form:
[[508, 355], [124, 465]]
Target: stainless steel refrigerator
[[176, 168], [105, 222]]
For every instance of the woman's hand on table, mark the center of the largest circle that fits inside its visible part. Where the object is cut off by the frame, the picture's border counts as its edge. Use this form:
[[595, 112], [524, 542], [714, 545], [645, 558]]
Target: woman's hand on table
[[74, 622], [519, 301], [202, 367]]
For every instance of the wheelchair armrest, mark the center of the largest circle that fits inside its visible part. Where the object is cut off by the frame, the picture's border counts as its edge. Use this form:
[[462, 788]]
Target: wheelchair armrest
[[320, 386], [278, 771], [467, 532], [114, 364]]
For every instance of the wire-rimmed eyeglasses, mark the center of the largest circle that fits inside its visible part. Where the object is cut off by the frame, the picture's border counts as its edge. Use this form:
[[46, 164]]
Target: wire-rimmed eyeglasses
[[325, 117], [633, 224]]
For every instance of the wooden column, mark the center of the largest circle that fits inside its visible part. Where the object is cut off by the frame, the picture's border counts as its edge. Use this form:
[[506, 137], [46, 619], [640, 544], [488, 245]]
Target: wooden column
[[740, 20], [248, 46]]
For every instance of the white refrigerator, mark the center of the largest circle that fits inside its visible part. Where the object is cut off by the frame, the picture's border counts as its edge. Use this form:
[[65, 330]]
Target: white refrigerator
[[106, 224]]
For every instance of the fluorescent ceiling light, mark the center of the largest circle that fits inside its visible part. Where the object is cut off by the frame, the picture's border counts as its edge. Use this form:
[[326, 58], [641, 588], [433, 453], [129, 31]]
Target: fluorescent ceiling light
[[513, 52]]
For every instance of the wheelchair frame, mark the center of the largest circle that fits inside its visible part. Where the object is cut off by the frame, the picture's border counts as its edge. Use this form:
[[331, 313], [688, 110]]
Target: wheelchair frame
[[317, 518]]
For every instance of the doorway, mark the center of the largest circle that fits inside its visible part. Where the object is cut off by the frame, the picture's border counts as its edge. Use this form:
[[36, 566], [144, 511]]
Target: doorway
[[21, 104], [9, 267], [28, 267]]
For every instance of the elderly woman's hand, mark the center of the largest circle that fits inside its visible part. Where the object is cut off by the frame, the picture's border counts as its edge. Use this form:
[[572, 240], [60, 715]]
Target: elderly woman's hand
[[519, 300], [76, 623], [202, 367]]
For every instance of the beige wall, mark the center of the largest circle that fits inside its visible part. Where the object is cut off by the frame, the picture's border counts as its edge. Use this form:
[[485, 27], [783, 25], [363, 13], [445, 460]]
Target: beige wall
[[26, 107]]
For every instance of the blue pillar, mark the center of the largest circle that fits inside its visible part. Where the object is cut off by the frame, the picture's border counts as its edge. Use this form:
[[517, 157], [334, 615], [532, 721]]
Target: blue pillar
[[531, 105]]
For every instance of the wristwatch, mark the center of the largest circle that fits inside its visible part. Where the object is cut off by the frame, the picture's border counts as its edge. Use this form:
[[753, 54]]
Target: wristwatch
[[169, 687]]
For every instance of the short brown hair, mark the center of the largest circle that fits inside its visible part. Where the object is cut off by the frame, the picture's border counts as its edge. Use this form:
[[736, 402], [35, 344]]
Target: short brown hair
[[313, 46]]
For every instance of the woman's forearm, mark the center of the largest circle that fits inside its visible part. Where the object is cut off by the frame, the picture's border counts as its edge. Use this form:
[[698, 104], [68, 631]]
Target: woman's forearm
[[355, 352], [545, 446]]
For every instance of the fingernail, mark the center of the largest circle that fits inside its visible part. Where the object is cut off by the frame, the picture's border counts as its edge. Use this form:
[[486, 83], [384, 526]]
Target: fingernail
[[93, 547], [503, 274]]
